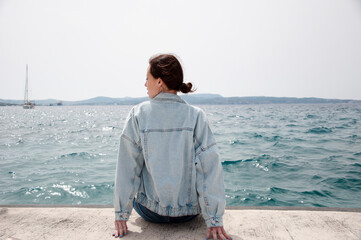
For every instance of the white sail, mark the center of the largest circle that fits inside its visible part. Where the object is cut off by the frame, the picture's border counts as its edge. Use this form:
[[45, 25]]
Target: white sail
[[27, 103]]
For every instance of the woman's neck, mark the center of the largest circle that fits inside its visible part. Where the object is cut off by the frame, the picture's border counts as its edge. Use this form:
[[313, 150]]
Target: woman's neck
[[170, 91]]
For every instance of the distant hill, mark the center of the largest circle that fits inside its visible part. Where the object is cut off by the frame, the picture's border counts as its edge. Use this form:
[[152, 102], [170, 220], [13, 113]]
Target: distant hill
[[2, 104], [190, 98]]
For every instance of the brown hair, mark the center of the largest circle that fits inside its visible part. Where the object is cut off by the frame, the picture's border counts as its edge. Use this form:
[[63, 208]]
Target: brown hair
[[168, 68]]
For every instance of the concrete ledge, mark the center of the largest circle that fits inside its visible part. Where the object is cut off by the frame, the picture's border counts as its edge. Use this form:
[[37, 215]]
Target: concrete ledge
[[295, 208], [97, 222], [227, 208]]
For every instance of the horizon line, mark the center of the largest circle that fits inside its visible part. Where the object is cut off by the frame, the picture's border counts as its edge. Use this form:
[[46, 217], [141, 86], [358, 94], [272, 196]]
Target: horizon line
[[181, 94]]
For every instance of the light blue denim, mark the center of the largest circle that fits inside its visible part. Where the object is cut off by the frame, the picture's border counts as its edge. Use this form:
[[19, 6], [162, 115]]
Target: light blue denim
[[169, 161]]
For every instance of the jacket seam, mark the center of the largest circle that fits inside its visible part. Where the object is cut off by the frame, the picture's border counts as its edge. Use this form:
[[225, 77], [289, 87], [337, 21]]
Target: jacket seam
[[169, 100], [168, 130], [137, 144], [133, 182], [204, 190], [203, 149]]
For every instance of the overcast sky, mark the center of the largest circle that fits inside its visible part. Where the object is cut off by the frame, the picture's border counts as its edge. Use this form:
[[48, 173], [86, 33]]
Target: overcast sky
[[82, 49]]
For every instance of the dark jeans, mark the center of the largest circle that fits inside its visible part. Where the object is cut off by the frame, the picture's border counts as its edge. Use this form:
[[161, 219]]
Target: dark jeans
[[150, 216]]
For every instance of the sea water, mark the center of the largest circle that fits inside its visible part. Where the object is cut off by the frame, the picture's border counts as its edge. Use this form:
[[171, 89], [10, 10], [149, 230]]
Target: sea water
[[272, 155]]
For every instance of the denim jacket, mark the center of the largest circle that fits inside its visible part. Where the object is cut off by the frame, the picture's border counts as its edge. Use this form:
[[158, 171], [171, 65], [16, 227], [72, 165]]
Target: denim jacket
[[168, 159]]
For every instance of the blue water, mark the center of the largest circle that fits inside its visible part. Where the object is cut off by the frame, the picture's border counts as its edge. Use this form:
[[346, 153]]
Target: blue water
[[273, 155]]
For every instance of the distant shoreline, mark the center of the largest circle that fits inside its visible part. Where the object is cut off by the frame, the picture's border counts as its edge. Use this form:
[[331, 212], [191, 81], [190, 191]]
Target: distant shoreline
[[201, 99]]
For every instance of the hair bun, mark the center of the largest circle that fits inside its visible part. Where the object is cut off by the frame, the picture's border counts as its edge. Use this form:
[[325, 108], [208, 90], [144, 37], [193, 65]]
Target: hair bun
[[186, 87]]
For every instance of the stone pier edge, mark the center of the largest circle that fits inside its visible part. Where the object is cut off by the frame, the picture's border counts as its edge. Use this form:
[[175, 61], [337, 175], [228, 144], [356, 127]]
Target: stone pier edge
[[274, 208]]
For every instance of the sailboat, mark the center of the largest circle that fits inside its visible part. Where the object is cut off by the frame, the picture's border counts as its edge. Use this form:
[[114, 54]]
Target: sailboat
[[27, 103]]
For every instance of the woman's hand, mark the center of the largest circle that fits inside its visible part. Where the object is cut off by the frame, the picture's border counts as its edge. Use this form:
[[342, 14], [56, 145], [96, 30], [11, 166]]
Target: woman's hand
[[120, 228], [217, 231]]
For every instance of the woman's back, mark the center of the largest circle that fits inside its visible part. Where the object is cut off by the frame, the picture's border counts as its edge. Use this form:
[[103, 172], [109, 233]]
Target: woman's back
[[166, 126]]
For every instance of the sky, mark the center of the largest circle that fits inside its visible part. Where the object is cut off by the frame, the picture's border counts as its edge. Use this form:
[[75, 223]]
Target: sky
[[79, 49]]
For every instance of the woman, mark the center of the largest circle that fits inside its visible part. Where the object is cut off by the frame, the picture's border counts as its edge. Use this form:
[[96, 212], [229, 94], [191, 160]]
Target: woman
[[168, 167]]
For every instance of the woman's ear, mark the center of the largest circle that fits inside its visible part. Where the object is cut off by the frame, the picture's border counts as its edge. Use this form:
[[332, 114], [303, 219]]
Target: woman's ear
[[159, 81]]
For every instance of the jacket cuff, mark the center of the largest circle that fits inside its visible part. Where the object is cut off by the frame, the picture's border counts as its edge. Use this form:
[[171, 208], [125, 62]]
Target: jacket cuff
[[122, 215], [214, 222]]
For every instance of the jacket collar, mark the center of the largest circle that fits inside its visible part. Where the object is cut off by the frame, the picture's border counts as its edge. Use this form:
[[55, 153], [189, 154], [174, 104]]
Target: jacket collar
[[168, 97]]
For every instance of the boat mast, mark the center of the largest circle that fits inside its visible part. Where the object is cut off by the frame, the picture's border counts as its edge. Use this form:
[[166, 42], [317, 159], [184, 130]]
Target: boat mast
[[26, 97]]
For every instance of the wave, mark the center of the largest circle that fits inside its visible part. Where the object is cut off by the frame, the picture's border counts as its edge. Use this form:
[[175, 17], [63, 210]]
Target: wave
[[345, 118], [234, 116], [278, 190], [70, 190], [323, 193], [311, 116], [260, 158], [345, 125], [77, 131], [254, 159], [319, 130], [74, 154], [356, 165], [299, 140], [225, 163], [354, 137], [316, 177], [350, 184], [276, 166], [237, 142], [60, 193], [81, 155], [109, 128]]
